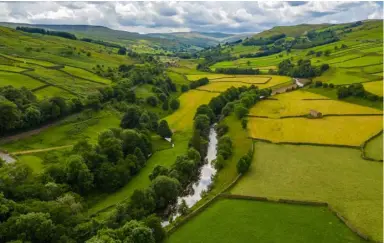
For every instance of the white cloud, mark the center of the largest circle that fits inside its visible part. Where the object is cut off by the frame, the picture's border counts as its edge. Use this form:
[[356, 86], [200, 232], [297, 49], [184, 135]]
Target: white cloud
[[161, 16]]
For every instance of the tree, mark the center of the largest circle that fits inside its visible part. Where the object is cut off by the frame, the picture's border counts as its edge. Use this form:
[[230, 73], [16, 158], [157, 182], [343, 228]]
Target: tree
[[9, 116], [158, 170], [152, 101], [34, 227], [140, 157], [166, 190], [154, 223], [131, 118], [164, 130], [240, 110], [194, 155], [175, 104], [219, 162], [142, 202], [184, 88], [244, 123], [165, 105], [78, 175], [342, 92], [243, 164], [205, 110], [327, 53], [122, 51], [202, 123], [183, 207], [32, 116]]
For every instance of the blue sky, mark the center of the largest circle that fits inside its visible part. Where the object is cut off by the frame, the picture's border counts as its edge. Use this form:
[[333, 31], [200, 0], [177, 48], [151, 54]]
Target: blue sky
[[169, 16]]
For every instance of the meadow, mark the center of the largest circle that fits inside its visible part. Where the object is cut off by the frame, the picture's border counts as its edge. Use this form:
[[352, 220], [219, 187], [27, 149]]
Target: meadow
[[86, 125], [339, 176], [292, 104], [229, 220], [182, 119], [51, 91], [81, 73], [18, 80], [374, 87], [333, 130], [11, 68], [222, 86], [374, 148]]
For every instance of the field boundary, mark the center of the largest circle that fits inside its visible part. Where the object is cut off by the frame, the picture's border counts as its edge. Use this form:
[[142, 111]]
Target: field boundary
[[40, 150], [363, 145], [41, 87], [304, 143]]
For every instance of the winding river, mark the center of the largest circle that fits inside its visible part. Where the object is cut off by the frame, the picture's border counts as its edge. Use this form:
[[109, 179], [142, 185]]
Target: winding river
[[207, 171]]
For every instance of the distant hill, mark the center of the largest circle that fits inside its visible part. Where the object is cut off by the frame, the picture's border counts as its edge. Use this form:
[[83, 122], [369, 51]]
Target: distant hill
[[290, 31], [179, 41]]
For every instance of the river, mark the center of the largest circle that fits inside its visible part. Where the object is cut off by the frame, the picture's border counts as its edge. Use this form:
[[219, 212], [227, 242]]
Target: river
[[207, 171]]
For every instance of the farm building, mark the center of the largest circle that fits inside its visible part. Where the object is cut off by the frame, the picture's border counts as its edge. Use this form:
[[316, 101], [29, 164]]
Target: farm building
[[315, 114]]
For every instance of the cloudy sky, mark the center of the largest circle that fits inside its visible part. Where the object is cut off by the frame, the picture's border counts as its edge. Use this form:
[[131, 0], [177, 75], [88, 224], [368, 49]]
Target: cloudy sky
[[161, 16]]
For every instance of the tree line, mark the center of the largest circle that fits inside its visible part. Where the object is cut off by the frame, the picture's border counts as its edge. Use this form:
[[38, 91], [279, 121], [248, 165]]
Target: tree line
[[302, 69], [237, 71], [47, 32]]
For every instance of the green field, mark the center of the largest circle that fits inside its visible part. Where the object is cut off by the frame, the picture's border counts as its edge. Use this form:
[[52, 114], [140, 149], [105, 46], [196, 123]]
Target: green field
[[374, 148], [11, 68], [34, 162], [52, 91], [374, 87], [18, 80], [81, 73], [251, 221], [86, 125], [339, 176]]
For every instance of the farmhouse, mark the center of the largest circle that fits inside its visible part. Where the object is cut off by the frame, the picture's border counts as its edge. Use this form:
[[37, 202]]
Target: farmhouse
[[315, 114]]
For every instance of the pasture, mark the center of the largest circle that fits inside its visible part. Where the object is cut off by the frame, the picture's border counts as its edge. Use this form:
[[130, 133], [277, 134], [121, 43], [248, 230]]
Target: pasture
[[339, 176], [34, 162], [229, 220], [374, 87], [18, 80], [11, 68], [374, 148], [84, 74], [51, 91], [292, 104], [85, 125], [336, 130], [222, 86], [182, 118]]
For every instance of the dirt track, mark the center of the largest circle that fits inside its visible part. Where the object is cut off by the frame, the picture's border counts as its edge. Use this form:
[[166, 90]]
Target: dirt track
[[40, 150]]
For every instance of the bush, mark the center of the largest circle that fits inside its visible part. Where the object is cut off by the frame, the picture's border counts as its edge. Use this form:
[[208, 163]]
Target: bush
[[331, 85], [318, 84], [240, 111], [244, 123], [325, 85], [175, 104], [152, 101], [219, 162], [243, 164], [184, 88]]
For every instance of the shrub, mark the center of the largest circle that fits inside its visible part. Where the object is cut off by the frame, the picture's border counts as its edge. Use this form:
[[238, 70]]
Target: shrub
[[243, 164], [244, 123], [175, 104], [331, 85], [325, 85], [184, 88]]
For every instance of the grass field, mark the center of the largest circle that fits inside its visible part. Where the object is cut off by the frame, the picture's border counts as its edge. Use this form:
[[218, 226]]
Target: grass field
[[374, 148], [18, 80], [374, 87], [345, 76], [11, 68], [332, 94], [244, 79], [210, 76], [52, 91], [177, 78], [81, 73], [222, 86], [141, 180], [338, 130], [69, 131], [182, 118], [28, 60], [291, 104], [339, 176], [251, 221], [34, 162]]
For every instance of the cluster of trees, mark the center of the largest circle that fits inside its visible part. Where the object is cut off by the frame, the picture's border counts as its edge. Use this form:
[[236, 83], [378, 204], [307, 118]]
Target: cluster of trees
[[244, 163], [224, 146], [100, 42], [47, 32], [356, 90], [262, 41], [106, 166], [265, 51], [197, 83], [20, 109], [237, 70], [303, 69]]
